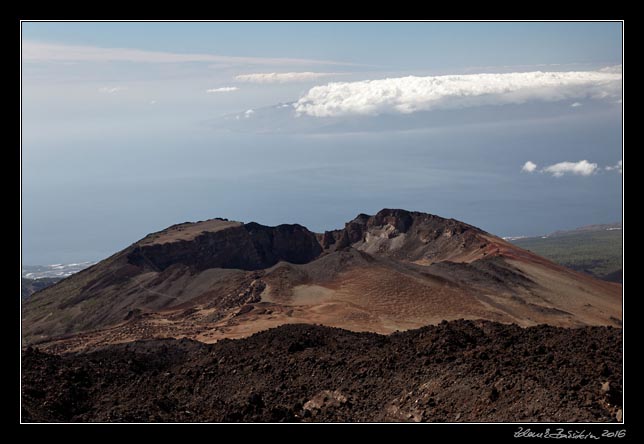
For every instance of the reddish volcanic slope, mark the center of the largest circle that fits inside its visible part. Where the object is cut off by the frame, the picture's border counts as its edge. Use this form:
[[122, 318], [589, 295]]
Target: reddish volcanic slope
[[396, 270]]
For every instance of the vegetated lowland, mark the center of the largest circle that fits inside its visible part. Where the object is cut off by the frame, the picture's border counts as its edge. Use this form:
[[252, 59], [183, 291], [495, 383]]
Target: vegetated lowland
[[194, 323], [38, 277], [30, 286], [595, 252]]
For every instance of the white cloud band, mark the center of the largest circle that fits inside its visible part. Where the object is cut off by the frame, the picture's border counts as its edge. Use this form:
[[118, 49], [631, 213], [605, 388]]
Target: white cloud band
[[283, 77], [410, 94], [52, 52]]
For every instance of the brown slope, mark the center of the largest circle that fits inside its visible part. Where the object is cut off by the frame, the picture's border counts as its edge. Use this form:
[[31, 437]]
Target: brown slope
[[395, 270]]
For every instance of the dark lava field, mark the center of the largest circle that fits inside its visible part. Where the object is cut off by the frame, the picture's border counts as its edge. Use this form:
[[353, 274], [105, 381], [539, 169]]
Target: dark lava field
[[458, 371]]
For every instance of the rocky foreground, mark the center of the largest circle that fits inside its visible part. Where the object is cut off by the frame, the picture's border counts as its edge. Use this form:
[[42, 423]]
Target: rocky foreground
[[460, 371]]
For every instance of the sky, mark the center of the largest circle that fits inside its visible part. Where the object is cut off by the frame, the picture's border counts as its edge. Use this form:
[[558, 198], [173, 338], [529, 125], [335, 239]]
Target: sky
[[130, 127]]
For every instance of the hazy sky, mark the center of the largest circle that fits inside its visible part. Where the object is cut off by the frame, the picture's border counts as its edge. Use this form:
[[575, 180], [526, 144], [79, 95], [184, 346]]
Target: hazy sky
[[130, 127]]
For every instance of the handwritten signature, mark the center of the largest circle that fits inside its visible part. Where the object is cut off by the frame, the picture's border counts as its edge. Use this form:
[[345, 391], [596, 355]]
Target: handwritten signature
[[568, 434]]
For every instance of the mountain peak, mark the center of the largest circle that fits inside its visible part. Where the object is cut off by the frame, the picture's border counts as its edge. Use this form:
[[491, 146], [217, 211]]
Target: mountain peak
[[187, 231], [390, 271], [412, 236], [219, 243]]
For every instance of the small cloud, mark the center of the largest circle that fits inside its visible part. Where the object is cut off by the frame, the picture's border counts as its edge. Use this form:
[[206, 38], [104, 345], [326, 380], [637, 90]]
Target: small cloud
[[111, 89], [153, 102], [283, 77], [575, 105], [529, 167], [619, 101], [581, 168], [617, 167], [223, 89], [248, 113]]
